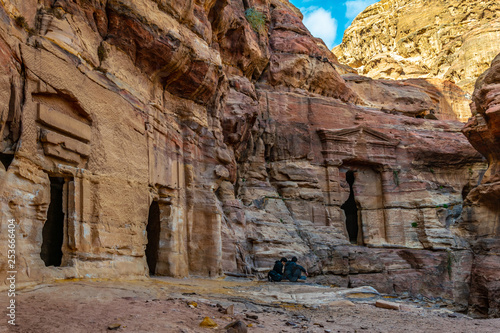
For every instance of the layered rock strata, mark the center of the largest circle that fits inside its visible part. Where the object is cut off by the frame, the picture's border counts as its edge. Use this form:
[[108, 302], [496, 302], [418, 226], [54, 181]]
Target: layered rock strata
[[453, 40], [420, 98], [202, 137], [481, 216]]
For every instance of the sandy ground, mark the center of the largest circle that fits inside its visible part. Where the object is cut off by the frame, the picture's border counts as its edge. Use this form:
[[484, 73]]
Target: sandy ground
[[162, 305]]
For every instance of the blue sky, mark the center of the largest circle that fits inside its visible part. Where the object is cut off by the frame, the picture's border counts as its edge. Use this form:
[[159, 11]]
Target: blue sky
[[327, 19]]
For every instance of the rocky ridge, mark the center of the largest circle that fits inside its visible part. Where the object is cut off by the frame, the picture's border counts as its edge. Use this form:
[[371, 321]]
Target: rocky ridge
[[202, 137], [396, 39]]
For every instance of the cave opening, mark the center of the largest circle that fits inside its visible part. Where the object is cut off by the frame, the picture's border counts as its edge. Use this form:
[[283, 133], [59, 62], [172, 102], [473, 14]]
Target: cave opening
[[465, 191], [153, 234], [53, 229], [351, 210], [6, 159]]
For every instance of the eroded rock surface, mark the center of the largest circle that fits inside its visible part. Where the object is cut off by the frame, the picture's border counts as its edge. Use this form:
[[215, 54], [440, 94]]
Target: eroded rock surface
[[224, 130], [421, 98], [453, 40], [481, 216]]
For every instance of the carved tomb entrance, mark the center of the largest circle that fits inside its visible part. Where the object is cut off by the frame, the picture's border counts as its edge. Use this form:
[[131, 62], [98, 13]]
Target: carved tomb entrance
[[153, 234], [356, 160], [56, 226], [351, 211]]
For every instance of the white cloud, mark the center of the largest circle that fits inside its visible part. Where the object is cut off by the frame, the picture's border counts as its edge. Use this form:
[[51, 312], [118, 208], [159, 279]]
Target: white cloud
[[354, 7], [321, 24]]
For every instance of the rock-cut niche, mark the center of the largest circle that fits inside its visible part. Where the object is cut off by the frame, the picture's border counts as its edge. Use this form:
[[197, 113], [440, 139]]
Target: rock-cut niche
[[351, 210], [53, 229], [153, 234]]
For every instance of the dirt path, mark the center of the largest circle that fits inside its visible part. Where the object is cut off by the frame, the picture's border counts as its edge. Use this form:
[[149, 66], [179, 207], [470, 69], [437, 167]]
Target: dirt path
[[163, 306]]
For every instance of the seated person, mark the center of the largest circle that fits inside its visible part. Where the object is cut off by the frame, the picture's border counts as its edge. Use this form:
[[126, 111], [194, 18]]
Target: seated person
[[293, 271], [276, 274]]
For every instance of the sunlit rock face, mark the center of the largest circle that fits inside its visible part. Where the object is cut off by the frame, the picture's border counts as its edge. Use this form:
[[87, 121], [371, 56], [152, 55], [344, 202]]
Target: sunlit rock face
[[420, 98], [399, 39], [200, 137], [481, 216]]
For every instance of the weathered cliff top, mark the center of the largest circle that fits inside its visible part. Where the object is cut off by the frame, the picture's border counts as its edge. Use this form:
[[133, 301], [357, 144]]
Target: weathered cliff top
[[454, 40]]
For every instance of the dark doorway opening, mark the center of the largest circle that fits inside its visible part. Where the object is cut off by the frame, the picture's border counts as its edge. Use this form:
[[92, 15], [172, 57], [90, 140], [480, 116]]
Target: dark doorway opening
[[153, 232], [53, 229], [351, 210], [6, 159], [465, 191]]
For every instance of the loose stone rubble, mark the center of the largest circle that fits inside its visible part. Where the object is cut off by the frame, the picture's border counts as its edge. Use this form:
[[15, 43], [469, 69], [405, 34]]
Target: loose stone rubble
[[161, 304]]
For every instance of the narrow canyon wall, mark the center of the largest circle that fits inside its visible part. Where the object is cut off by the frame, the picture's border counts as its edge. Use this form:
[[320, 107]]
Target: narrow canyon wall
[[202, 137], [481, 216], [399, 39]]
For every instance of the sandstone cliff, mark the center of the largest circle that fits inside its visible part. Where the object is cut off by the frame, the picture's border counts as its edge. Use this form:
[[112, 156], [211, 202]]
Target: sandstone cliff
[[202, 137], [396, 39], [481, 216]]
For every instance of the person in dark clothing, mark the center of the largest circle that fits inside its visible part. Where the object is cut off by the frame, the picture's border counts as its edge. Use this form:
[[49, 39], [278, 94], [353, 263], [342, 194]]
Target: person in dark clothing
[[276, 274], [293, 271]]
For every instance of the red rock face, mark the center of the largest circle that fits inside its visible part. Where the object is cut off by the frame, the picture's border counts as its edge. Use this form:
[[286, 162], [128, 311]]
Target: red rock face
[[299, 60], [238, 136], [481, 217], [422, 98], [483, 130]]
